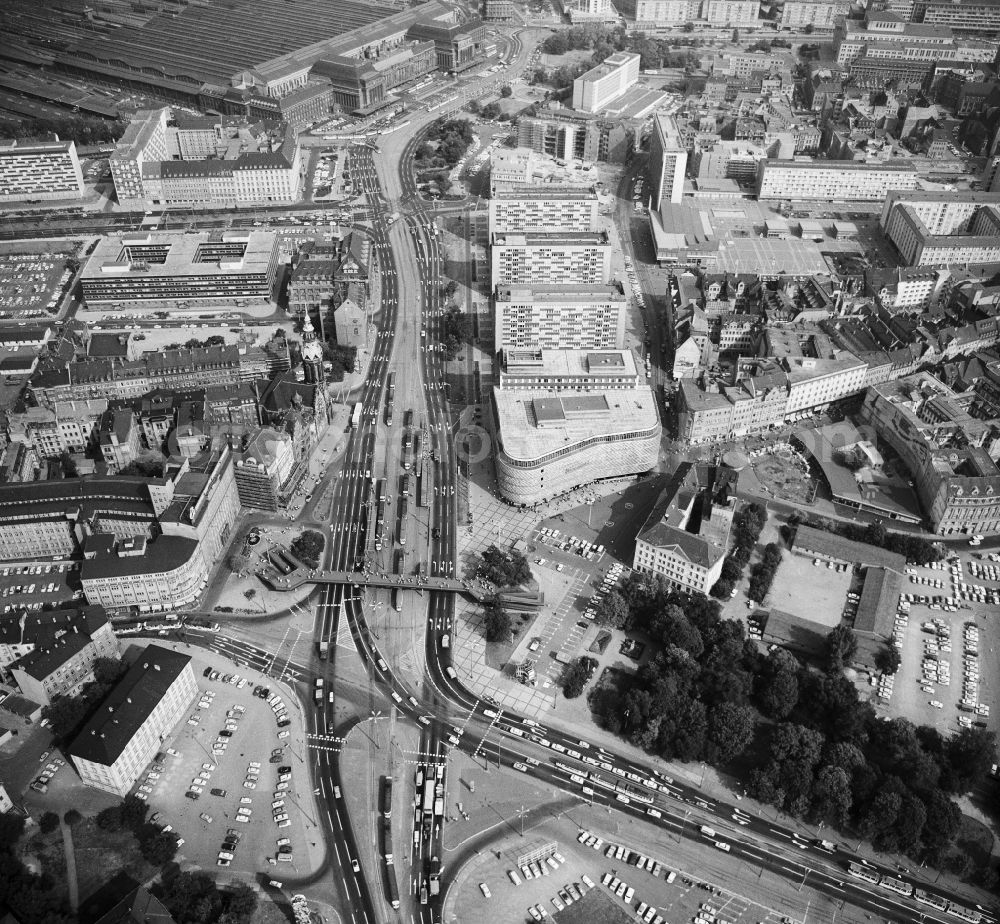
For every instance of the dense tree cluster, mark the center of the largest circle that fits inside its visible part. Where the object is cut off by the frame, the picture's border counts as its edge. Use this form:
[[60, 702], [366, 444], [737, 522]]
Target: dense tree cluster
[[68, 713], [342, 360], [194, 898], [603, 41], [308, 546], [143, 468], [194, 343], [81, 129], [446, 144], [456, 329], [762, 573], [747, 525], [915, 549], [803, 739], [504, 569], [156, 845], [576, 674]]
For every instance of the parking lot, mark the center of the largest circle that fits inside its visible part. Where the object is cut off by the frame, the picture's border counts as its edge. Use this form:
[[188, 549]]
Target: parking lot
[[31, 284], [32, 586], [230, 784], [947, 651]]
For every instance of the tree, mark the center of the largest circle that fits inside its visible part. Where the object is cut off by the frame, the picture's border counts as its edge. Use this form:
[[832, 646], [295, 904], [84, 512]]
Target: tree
[[133, 813], [157, 846], [66, 713], [68, 464], [110, 819], [841, 647], [48, 822], [736, 37], [556, 44], [504, 569], [490, 111], [688, 27], [496, 621], [308, 547], [575, 676], [730, 730], [888, 659], [831, 795], [779, 694], [11, 829], [108, 671], [506, 92], [808, 28], [971, 751], [72, 817], [612, 611], [242, 900]]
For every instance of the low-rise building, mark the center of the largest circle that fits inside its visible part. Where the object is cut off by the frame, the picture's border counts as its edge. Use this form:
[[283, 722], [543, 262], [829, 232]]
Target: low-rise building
[[552, 317], [41, 170], [686, 536], [112, 750], [66, 426], [52, 653], [118, 437]]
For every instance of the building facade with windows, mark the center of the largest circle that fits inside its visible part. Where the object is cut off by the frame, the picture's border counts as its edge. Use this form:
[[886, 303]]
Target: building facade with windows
[[52, 653], [66, 426], [832, 180], [112, 750], [566, 134], [552, 317], [686, 536], [820, 14], [42, 170], [581, 258], [515, 209], [940, 228], [667, 161], [606, 82]]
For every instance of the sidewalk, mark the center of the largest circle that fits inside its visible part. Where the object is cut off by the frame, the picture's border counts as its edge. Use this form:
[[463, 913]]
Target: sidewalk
[[70, 854]]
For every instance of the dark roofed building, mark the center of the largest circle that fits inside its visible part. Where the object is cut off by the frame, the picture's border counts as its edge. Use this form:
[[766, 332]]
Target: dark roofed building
[[877, 606], [825, 545], [114, 747], [138, 907]]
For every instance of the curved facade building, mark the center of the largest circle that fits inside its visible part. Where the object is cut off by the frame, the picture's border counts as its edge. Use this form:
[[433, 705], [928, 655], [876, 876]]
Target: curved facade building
[[553, 444]]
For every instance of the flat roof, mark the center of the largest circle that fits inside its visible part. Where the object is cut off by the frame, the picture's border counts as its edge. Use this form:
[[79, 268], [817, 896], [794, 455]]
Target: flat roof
[[127, 707], [166, 553], [770, 256], [582, 419], [820, 542], [573, 363], [511, 192], [849, 165], [109, 260], [550, 238]]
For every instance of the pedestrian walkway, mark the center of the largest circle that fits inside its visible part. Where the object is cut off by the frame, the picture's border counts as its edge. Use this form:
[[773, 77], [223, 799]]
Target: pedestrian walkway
[[72, 885]]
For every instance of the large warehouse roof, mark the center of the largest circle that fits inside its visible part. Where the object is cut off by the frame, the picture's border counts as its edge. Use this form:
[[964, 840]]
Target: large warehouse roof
[[211, 43]]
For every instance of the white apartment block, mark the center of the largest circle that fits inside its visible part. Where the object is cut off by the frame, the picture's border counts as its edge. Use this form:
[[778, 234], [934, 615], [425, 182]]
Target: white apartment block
[[936, 228], [606, 82], [43, 170], [529, 208], [815, 383], [553, 317], [590, 10], [841, 181], [137, 717], [743, 13], [651, 15], [667, 161], [820, 14], [885, 35], [581, 258]]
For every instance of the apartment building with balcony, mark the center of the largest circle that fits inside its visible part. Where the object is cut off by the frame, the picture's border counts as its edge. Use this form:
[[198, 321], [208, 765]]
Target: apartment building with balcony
[[45, 170], [552, 317], [566, 257]]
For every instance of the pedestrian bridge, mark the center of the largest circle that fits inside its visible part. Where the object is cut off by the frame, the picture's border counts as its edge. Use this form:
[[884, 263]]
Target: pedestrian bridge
[[299, 576]]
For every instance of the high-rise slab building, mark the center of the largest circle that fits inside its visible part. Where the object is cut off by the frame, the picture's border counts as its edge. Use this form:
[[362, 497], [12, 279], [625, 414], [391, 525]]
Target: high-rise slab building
[[46, 170], [553, 317], [606, 82], [667, 161], [566, 257]]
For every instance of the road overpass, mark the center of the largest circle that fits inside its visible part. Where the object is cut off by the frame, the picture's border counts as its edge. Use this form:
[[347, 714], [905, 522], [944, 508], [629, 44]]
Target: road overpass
[[299, 576]]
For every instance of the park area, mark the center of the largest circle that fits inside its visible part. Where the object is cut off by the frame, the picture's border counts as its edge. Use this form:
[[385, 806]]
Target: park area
[[784, 473]]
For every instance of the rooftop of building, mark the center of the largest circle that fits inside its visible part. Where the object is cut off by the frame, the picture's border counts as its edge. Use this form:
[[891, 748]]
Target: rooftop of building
[[13, 147], [693, 514], [42, 628], [851, 166], [175, 253], [667, 129], [512, 192], [533, 423], [822, 542], [161, 556], [138, 907], [609, 65], [127, 707], [568, 363]]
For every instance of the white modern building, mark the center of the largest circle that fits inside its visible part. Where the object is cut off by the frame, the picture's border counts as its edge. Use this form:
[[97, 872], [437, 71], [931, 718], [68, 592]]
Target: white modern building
[[686, 535], [137, 717], [940, 228], [816, 383], [552, 317], [606, 82], [43, 170], [667, 161], [551, 441], [531, 208], [841, 180], [743, 13], [820, 14], [567, 257]]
